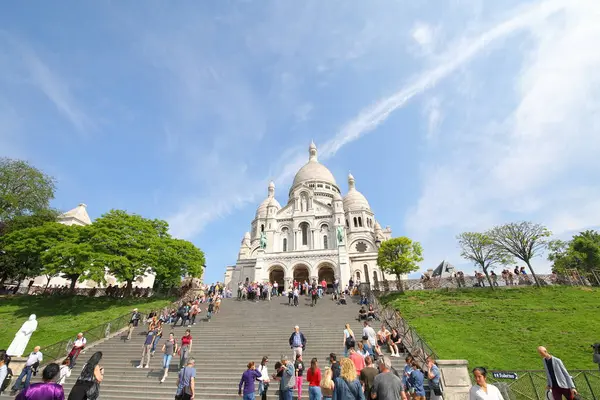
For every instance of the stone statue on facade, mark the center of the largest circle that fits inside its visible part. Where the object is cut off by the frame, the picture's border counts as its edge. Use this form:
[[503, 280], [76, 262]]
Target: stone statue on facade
[[263, 240], [19, 343], [340, 234]]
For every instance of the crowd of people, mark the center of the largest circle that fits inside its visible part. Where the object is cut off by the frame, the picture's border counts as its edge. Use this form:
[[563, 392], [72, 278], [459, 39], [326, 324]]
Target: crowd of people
[[257, 291], [365, 372]]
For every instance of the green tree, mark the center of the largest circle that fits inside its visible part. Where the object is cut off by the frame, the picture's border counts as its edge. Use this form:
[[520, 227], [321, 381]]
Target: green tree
[[24, 247], [524, 240], [178, 258], [23, 189], [480, 249], [399, 256], [582, 251], [74, 258], [129, 244]]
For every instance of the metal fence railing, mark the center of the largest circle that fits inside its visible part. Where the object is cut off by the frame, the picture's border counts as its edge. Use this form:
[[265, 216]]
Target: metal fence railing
[[531, 384], [61, 349], [413, 343]]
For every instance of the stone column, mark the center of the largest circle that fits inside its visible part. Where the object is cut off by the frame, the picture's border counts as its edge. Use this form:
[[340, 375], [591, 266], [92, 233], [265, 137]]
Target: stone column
[[456, 380]]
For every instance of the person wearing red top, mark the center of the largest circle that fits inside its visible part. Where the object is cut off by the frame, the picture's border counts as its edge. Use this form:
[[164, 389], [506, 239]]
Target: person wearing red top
[[186, 348], [357, 359], [314, 381]]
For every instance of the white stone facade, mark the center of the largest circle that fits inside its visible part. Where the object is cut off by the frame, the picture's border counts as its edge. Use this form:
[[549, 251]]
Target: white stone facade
[[79, 216], [301, 237]]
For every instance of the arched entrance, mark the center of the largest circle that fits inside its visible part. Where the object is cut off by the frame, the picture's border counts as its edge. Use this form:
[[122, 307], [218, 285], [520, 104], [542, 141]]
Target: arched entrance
[[276, 274], [327, 273], [301, 273]]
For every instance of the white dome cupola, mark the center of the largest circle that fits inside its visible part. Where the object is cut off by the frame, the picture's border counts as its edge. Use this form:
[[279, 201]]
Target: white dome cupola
[[354, 200], [313, 171], [269, 202]]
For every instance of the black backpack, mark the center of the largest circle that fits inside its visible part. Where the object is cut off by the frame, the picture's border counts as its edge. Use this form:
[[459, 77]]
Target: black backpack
[[350, 342], [7, 381]]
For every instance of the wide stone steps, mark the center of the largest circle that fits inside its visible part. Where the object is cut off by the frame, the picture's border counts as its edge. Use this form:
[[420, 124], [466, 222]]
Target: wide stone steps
[[243, 331]]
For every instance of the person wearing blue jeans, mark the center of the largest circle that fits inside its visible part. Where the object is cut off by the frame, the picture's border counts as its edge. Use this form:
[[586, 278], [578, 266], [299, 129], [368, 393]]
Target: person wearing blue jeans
[[35, 357], [247, 382], [168, 349], [287, 379]]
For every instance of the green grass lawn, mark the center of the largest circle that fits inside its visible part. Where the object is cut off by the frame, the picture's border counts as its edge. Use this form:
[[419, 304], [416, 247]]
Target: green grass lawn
[[60, 317], [502, 329]]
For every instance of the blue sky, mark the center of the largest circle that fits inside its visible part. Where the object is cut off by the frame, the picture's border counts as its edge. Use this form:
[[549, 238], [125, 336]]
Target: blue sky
[[452, 116]]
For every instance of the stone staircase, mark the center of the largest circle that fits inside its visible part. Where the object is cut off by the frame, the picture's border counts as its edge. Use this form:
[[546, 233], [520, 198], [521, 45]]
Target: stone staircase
[[243, 331]]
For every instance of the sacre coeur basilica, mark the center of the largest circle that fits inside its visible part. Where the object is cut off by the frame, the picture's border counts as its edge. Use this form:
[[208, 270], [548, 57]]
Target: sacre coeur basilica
[[318, 234]]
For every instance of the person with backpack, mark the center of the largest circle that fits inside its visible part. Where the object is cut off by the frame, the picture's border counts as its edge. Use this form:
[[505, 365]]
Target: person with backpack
[[349, 339], [5, 372], [210, 310], [33, 361], [186, 381]]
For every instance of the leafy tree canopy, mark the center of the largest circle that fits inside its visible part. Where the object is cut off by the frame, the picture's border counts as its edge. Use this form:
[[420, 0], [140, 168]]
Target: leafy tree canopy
[[480, 249], [524, 240], [399, 256], [582, 251], [130, 244], [24, 189]]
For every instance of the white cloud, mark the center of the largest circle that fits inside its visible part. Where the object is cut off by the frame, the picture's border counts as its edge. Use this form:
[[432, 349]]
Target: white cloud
[[425, 36], [56, 90], [432, 111], [542, 151], [369, 118]]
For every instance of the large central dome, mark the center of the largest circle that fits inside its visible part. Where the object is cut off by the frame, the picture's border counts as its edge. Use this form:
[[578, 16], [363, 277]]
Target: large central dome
[[313, 170]]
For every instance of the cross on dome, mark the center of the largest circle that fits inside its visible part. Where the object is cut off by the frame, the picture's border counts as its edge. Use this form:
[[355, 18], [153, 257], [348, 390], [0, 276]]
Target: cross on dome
[[312, 152]]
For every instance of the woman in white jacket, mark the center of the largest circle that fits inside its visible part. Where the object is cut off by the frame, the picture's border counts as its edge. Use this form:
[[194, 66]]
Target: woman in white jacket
[[263, 381], [483, 390]]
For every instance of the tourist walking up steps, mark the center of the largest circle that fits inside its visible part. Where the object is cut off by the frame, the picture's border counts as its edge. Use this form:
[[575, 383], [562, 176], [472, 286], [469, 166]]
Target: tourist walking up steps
[[347, 386], [287, 382], [168, 349], [483, 390], [87, 386], [367, 375], [263, 384], [297, 341], [246, 387], [186, 381], [133, 322], [46, 390], [349, 339], [558, 379], [386, 385], [416, 382], [313, 376]]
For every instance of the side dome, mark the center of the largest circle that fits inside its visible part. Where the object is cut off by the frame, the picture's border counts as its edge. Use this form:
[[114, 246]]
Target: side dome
[[270, 201], [354, 200], [313, 170]]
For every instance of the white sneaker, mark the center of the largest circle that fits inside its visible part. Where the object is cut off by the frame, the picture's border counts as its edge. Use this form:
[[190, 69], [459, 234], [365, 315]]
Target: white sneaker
[[139, 366], [147, 366]]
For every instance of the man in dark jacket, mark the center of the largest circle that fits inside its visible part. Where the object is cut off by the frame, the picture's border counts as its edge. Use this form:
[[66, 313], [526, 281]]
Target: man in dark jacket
[[297, 341]]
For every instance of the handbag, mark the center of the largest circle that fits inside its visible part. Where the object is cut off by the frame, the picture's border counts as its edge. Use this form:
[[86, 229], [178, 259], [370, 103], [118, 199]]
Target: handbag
[[93, 391], [436, 388]]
